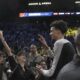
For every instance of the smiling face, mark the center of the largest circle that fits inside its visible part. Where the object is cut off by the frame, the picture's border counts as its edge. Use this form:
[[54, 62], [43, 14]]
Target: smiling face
[[58, 29], [54, 33], [21, 58]]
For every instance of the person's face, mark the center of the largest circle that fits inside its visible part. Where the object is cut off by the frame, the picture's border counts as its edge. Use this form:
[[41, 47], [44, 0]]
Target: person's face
[[54, 33], [21, 58], [33, 49], [43, 64], [1, 60]]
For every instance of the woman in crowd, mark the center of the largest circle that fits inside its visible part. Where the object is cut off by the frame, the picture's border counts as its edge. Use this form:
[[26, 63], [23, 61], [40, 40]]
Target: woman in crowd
[[19, 68]]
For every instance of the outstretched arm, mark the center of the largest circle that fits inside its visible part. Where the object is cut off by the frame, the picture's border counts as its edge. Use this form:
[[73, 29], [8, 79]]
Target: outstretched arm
[[8, 50], [51, 71], [11, 59]]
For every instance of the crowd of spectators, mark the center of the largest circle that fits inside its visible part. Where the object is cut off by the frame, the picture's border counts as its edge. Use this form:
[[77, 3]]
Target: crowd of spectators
[[24, 37]]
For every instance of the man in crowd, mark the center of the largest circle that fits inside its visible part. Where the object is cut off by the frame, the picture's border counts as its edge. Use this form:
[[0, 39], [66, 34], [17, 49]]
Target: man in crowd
[[33, 57], [20, 70], [63, 49], [71, 71]]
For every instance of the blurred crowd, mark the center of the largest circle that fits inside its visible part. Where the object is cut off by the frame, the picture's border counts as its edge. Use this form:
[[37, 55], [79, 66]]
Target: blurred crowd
[[31, 51], [17, 35], [24, 37]]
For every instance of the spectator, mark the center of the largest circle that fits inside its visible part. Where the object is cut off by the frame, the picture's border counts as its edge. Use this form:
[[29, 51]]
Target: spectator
[[33, 58], [19, 68]]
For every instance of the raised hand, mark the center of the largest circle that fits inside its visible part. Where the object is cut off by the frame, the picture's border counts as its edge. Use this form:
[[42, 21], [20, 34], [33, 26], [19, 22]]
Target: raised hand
[[1, 34], [39, 67], [43, 41]]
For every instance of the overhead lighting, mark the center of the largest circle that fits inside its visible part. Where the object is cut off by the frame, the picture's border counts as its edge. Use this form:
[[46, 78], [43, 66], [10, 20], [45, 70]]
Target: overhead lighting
[[67, 13], [30, 4], [72, 13], [77, 13], [46, 3], [77, 2], [21, 14], [35, 14], [61, 13], [42, 14], [55, 13], [39, 3]]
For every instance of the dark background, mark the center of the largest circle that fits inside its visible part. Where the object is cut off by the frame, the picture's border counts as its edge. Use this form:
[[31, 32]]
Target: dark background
[[9, 9]]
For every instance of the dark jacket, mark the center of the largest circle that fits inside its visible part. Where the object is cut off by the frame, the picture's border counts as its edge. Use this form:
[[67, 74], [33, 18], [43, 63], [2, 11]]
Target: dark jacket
[[71, 71], [3, 75], [18, 73], [1, 71]]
